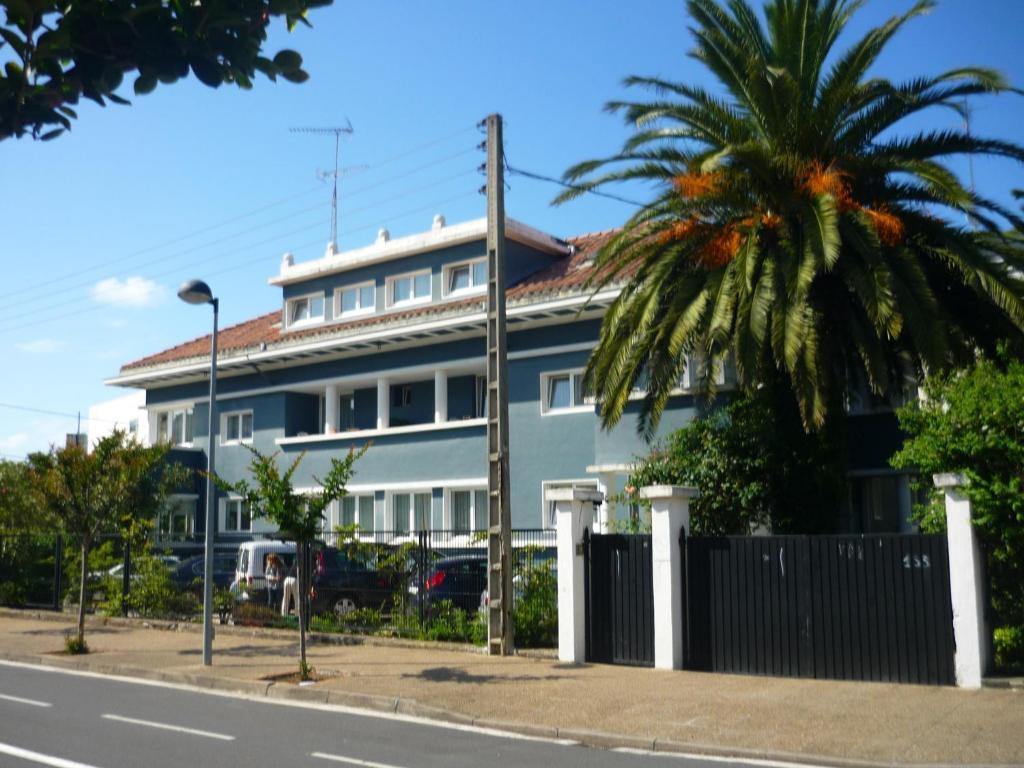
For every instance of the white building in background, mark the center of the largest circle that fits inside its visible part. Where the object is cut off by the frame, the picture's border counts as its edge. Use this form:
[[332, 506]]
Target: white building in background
[[127, 413]]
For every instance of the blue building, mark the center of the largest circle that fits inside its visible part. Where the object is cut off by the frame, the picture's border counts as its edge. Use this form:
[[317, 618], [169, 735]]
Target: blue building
[[386, 344]]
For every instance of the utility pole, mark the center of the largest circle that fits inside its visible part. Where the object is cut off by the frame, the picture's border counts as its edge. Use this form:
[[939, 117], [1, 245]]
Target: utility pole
[[499, 514]]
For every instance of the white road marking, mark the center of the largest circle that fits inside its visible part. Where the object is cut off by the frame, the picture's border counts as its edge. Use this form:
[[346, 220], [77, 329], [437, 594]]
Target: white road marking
[[351, 760], [30, 702], [40, 758], [167, 727], [762, 763]]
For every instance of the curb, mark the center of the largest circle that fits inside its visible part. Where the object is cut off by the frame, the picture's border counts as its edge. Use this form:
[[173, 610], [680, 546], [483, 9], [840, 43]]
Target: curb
[[413, 708], [1004, 683]]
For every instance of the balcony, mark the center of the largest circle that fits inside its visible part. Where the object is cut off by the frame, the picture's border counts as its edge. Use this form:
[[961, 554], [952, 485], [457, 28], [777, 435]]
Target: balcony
[[392, 405]]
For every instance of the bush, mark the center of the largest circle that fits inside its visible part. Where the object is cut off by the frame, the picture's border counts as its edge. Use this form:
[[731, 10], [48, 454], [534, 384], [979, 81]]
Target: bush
[[754, 465], [972, 422], [152, 594], [1009, 646], [73, 646], [535, 611]]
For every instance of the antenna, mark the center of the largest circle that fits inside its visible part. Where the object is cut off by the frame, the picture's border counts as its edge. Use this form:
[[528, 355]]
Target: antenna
[[336, 132]]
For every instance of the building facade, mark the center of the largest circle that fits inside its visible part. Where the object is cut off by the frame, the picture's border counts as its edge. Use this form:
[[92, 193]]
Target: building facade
[[386, 345]]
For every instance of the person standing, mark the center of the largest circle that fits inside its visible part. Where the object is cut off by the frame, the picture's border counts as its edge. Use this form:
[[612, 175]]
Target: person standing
[[275, 575]]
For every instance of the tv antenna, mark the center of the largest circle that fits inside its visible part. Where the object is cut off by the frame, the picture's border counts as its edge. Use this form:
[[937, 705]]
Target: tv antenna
[[336, 173]]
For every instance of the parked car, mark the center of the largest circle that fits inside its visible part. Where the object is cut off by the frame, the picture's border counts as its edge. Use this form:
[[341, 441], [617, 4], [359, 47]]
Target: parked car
[[188, 574], [459, 580], [249, 583]]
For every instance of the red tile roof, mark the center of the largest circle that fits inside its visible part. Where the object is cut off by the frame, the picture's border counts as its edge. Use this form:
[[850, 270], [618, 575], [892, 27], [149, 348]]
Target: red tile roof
[[565, 275]]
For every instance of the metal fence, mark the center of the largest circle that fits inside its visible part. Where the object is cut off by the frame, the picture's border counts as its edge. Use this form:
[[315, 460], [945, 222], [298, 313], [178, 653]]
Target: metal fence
[[418, 584]]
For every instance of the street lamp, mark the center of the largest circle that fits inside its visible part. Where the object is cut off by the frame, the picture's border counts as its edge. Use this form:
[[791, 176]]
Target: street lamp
[[198, 292]]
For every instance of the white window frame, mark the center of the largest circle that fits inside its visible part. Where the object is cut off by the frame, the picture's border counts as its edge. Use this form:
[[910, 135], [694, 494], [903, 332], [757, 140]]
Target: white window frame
[[337, 505], [473, 288], [480, 396], [167, 512], [448, 517], [240, 440], [225, 504], [586, 404], [360, 310], [547, 507], [389, 508], [187, 413], [311, 320], [389, 289]]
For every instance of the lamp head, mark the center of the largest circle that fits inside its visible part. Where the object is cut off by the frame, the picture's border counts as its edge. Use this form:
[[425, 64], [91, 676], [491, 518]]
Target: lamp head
[[195, 292]]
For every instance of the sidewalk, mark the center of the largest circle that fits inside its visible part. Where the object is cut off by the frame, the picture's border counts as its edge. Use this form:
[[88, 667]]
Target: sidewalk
[[599, 705]]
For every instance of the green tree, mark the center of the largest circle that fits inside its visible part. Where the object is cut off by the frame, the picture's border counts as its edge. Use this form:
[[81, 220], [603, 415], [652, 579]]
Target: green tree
[[299, 517], [973, 423], [799, 226], [89, 493], [54, 53], [754, 465], [20, 509]]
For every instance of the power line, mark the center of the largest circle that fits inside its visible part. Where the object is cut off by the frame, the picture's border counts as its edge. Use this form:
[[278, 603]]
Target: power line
[[14, 316], [149, 249], [567, 185], [248, 262], [45, 412]]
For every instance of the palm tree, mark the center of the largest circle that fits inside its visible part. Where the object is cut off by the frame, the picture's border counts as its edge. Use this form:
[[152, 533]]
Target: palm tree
[[795, 228]]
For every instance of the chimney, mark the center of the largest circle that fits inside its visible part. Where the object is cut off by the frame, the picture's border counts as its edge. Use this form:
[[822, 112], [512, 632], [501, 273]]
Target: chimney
[[438, 221], [383, 236], [287, 262]]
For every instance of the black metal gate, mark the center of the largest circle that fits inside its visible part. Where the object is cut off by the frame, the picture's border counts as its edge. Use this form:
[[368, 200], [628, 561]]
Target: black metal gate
[[619, 599], [871, 607]]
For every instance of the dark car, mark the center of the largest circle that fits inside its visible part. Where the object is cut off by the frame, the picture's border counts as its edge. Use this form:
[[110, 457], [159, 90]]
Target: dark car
[[188, 574], [459, 580], [343, 582]]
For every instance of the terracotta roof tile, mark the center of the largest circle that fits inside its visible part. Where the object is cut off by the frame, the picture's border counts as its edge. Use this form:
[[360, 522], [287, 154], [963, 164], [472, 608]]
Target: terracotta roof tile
[[568, 274]]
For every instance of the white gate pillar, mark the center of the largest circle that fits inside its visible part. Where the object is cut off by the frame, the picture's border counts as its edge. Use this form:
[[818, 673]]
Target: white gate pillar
[[670, 514], [574, 511], [966, 574]]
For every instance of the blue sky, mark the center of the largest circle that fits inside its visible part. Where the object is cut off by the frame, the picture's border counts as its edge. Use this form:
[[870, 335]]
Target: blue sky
[[99, 226]]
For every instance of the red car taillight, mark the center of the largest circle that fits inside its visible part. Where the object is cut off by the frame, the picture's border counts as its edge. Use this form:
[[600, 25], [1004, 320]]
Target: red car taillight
[[435, 580]]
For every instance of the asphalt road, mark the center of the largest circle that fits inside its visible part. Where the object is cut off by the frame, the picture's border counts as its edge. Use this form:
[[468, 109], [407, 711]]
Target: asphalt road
[[50, 717]]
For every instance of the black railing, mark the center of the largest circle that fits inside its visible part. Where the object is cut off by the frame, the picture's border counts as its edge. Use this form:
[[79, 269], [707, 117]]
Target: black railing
[[427, 584]]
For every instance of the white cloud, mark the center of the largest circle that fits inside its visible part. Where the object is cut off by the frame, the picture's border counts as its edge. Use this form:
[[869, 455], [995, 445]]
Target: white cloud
[[132, 291], [41, 346], [14, 444]]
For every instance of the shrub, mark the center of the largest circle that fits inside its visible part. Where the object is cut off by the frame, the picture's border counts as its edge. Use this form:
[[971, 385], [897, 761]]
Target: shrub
[[535, 611], [1009, 646], [74, 646]]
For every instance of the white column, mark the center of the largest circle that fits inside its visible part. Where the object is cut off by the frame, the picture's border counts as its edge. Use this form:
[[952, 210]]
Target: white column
[[574, 510], [965, 583], [383, 403], [606, 485], [440, 397], [670, 514], [331, 403]]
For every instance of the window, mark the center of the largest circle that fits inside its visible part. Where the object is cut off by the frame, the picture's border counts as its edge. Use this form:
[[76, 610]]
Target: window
[[563, 391], [177, 518], [410, 511], [468, 510], [469, 277], [305, 310], [413, 288], [236, 428], [356, 300], [174, 426], [550, 519], [237, 516], [357, 510], [401, 396], [480, 402]]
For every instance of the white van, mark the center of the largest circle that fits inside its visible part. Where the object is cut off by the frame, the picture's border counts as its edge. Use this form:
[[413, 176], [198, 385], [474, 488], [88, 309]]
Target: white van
[[252, 562]]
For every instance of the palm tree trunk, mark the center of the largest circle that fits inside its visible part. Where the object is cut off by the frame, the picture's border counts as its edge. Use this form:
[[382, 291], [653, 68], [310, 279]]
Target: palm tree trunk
[[81, 593]]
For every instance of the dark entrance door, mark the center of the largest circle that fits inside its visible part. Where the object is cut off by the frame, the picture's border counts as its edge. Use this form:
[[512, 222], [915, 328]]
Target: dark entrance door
[[871, 607], [619, 599]]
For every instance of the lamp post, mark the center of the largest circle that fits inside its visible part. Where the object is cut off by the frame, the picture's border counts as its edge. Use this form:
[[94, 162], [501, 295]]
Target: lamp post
[[198, 292]]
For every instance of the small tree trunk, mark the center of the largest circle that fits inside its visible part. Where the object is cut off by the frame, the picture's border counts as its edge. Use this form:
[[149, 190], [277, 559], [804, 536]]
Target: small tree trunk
[[81, 592], [302, 588]]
